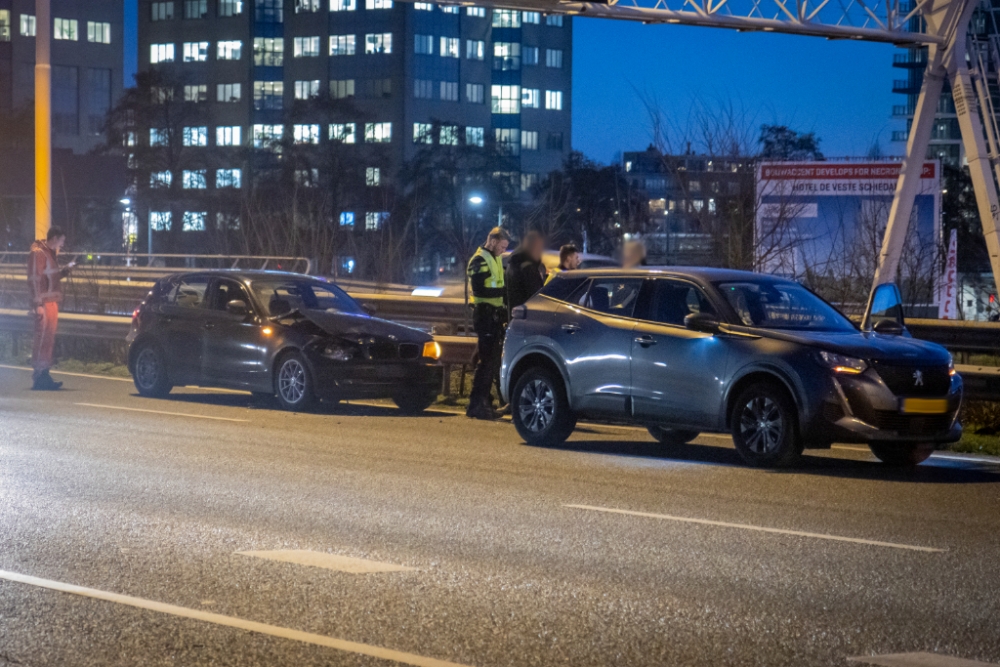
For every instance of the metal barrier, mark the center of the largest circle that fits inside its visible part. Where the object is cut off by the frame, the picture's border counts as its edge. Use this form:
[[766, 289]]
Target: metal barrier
[[156, 266]]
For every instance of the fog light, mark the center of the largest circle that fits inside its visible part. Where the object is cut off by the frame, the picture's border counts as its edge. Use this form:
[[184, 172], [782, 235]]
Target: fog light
[[432, 350]]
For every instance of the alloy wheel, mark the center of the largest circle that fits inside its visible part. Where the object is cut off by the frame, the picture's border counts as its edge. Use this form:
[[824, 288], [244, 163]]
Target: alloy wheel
[[762, 425], [537, 406], [292, 381], [147, 368]]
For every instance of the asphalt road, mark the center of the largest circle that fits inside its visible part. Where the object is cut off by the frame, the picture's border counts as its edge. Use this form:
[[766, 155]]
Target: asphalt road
[[149, 504]]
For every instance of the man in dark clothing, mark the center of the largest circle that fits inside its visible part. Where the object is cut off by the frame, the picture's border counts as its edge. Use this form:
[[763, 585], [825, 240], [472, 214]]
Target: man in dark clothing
[[486, 280], [525, 271]]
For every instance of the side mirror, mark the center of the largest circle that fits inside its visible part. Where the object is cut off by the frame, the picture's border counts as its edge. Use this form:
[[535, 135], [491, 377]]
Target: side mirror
[[888, 327], [702, 322], [885, 309], [237, 307]]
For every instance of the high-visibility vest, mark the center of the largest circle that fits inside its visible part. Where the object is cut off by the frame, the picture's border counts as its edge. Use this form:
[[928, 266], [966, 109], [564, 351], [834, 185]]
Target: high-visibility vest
[[552, 274], [494, 280]]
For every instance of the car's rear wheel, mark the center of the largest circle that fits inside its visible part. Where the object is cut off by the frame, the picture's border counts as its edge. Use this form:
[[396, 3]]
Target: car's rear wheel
[[907, 454], [414, 403], [293, 383], [150, 372], [764, 426], [672, 436], [540, 409]]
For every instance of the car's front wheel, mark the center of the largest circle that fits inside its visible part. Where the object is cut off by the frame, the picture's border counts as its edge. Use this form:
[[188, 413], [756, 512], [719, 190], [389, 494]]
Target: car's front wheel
[[150, 373], [672, 436], [540, 409], [293, 383], [908, 454], [764, 426], [414, 403]]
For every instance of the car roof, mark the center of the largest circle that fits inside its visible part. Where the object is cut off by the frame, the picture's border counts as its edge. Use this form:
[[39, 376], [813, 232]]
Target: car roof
[[244, 274], [701, 273]]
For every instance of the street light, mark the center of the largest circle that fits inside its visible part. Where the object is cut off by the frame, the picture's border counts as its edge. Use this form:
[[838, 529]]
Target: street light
[[475, 199]]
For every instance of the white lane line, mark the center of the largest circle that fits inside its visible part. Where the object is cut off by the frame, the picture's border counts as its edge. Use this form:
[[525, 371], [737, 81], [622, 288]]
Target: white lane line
[[327, 561], [161, 412], [917, 660], [76, 375], [233, 622], [760, 529]]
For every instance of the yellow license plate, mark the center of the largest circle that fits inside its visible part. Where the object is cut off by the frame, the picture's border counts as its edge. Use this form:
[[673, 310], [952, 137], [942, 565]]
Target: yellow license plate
[[925, 406]]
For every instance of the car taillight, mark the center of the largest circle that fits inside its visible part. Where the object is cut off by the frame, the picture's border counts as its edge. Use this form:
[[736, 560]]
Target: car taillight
[[135, 316]]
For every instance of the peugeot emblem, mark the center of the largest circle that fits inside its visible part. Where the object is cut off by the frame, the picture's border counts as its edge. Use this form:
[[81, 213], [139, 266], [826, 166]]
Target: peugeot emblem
[[918, 378]]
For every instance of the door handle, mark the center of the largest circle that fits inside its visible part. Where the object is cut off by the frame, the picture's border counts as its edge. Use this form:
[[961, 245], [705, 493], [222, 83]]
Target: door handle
[[571, 328], [209, 325], [645, 341]]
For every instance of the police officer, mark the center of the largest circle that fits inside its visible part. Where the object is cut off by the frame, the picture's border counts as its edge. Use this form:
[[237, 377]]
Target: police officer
[[485, 273]]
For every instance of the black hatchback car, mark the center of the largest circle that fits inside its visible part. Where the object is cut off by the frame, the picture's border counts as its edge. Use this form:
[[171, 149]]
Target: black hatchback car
[[687, 350], [297, 337]]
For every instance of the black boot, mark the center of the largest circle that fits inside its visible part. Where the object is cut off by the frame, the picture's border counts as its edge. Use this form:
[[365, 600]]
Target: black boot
[[482, 410], [44, 382]]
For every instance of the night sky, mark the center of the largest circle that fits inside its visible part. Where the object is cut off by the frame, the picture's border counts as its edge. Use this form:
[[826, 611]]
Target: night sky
[[840, 90]]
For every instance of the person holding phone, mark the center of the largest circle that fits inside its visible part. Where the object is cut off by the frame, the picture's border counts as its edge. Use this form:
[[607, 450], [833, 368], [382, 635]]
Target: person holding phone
[[45, 288]]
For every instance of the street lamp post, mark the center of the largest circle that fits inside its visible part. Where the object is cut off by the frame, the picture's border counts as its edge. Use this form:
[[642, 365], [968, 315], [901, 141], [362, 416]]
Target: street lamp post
[[43, 119]]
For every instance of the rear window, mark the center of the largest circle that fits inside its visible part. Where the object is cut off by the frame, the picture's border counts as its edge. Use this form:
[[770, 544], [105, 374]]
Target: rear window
[[562, 286]]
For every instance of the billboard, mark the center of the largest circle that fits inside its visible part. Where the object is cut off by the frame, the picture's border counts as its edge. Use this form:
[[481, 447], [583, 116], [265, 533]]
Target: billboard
[[827, 219]]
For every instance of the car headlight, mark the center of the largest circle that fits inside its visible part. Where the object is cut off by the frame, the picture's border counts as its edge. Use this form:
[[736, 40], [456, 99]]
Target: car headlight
[[951, 365], [338, 353], [838, 363], [432, 350]]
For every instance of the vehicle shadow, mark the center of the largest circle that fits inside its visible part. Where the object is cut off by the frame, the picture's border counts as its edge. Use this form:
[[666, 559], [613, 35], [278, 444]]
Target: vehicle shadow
[[812, 462], [243, 400]]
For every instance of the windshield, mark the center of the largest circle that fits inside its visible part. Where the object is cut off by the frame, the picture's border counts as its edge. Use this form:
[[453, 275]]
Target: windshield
[[283, 296], [773, 305]]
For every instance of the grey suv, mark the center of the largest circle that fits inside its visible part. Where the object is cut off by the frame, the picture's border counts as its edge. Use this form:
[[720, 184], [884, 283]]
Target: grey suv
[[685, 351]]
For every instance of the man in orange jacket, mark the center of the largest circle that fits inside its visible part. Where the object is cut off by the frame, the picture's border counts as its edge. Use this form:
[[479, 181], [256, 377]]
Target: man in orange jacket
[[44, 277]]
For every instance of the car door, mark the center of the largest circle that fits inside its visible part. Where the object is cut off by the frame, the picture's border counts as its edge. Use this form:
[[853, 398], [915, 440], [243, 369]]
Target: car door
[[677, 373], [181, 323], [593, 334], [233, 349]]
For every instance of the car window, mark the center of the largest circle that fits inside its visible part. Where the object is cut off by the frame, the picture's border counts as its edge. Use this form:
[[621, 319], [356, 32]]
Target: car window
[[188, 293], [614, 296], [774, 305], [562, 286], [225, 291], [279, 297], [670, 301]]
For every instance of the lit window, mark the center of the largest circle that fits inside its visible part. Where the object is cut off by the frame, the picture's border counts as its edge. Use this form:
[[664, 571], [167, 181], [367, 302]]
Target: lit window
[[344, 133], [478, 12], [508, 140], [229, 135], [99, 33], [161, 53], [474, 93], [195, 9], [342, 45], [423, 44], [196, 93], [449, 135], [266, 135], [343, 5], [474, 136], [449, 91], [423, 89], [306, 6], [341, 88], [531, 17], [230, 7], [528, 181], [158, 137], [194, 179], [553, 58], [529, 141], [306, 47], [194, 221], [375, 219], [529, 55], [229, 50], [228, 178], [380, 42], [450, 47], [306, 134], [505, 99], [423, 133], [268, 95], [506, 56], [449, 9], [62, 29], [160, 179], [229, 92], [378, 4], [195, 52], [530, 98], [159, 221], [306, 90], [347, 219], [268, 51], [506, 18], [554, 20], [423, 6], [27, 25], [373, 176], [475, 49], [378, 133], [161, 11], [553, 99]]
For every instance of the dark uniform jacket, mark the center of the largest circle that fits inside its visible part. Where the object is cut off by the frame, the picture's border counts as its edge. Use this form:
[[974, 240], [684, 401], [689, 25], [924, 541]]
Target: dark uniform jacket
[[524, 278]]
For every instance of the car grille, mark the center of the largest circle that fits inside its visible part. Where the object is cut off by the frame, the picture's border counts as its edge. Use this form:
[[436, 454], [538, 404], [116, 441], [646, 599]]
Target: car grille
[[392, 351], [902, 380], [409, 351], [887, 420]]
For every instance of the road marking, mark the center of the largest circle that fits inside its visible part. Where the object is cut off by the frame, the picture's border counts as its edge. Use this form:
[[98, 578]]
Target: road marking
[[76, 375], [327, 561], [232, 622], [918, 660], [161, 412], [760, 529]]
